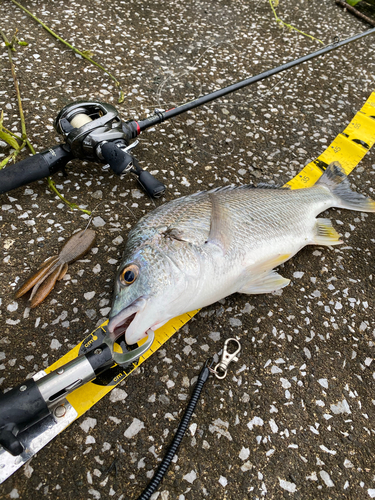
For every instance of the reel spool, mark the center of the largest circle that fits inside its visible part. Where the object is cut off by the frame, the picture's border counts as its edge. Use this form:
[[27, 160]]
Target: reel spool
[[85, 125]]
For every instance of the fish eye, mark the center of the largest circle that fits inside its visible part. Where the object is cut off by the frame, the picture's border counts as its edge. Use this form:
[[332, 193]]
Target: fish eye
[[129, 274]]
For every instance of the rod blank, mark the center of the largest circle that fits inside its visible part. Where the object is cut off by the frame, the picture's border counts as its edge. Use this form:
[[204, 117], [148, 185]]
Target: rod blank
[[161, 116]]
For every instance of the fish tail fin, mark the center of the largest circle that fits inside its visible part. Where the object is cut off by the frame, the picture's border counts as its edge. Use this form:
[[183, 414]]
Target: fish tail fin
[[335, 179], [325, 233]]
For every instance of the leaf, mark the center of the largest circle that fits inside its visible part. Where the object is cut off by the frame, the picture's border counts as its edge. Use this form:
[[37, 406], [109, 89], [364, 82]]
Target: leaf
[[24, 44], [5, 161], [353, 2], [9, 140], [121, 97], [87, 53]]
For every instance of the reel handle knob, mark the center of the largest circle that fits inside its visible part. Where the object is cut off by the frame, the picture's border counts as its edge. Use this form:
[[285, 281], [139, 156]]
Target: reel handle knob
[[155, 188], [117, 159]]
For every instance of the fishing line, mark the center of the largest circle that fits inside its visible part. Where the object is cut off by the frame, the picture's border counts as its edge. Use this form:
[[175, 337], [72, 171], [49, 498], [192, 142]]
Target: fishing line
[[92, 211], [106, 139], [255, 98], [190, 71], [192, 139]]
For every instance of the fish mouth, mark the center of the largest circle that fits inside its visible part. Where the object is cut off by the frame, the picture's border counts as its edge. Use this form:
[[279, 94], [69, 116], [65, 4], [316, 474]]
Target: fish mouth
[[119, 324]]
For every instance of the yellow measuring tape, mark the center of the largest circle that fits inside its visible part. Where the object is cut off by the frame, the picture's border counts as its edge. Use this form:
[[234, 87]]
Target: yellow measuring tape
[[348, 148]]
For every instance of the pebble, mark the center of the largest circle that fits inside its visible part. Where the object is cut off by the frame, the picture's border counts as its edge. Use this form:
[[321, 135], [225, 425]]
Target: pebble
[[190, 477], [133, 429], [244, 453], [223, 481], [288, 486], [117, 394], [13, 306], [98, 221], [323, 382], [341, 407], [327, 479], [88, 423], [55, 344]]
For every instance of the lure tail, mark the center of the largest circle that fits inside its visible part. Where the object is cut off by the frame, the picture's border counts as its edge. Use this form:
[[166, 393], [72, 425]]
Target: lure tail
[[335, 179], [36, 279], [40, 291]]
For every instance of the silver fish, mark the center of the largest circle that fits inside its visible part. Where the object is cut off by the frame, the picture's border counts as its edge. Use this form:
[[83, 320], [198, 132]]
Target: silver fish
[[198, 249]]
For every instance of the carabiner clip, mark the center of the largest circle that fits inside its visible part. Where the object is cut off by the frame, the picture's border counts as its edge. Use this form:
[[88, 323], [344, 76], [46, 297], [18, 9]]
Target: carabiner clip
[[220, 370]]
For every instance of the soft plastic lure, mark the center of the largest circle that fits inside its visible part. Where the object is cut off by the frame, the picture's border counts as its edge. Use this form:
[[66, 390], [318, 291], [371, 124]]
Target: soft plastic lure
[[55, 268]]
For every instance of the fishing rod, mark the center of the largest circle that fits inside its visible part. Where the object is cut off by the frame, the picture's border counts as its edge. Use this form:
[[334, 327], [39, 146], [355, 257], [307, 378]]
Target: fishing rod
[[93, 131]]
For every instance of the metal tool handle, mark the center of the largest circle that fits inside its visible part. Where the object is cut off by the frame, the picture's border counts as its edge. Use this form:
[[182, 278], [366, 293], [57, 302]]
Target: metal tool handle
[[33, 168], [27, 404], [30, 402], [20, 407]]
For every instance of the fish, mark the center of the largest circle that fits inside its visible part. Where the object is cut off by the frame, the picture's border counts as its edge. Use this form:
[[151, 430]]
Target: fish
[[198, 249], [55, 268]]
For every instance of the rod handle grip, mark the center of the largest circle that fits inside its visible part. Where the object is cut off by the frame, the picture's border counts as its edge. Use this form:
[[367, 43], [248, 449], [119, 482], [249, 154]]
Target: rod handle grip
[[33, 168]]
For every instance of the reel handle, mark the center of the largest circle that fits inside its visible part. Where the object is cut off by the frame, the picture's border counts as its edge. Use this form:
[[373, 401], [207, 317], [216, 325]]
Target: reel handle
[[116, 158], [34, 168], [120, 160]]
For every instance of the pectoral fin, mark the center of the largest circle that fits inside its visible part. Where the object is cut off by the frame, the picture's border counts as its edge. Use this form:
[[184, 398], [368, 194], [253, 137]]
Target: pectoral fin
[[220, 227], [265, 283], [265, 266]]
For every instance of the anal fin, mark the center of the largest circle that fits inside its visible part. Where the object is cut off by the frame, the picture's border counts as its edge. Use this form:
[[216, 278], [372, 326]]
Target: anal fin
[[265, 283], [325, 233]]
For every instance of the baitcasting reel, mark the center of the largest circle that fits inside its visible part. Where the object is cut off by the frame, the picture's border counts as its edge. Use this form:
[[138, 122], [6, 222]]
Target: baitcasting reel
[[92, 131]]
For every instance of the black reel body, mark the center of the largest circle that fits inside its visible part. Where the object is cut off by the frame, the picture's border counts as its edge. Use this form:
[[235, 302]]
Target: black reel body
[[85, 125], [94, 131]]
